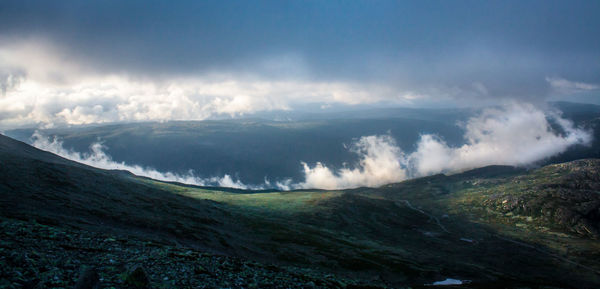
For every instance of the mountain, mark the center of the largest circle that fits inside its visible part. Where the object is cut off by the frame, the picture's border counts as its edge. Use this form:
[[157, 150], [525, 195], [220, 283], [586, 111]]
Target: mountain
[[66, 224]]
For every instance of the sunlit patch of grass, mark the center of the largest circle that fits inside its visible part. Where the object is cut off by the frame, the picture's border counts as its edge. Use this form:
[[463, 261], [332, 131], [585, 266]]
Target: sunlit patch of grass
[[278, 201], [281, 202]]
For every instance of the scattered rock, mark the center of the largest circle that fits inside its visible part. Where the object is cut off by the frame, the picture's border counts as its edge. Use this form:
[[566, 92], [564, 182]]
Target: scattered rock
[[88, 279], [137, 278]]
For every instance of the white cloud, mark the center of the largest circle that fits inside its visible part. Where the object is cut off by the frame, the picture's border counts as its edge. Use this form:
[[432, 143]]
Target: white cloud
[[116, 98], [567, 86], [381, 162], [40, 86], [9, 79], [99, 159], [515, 134]]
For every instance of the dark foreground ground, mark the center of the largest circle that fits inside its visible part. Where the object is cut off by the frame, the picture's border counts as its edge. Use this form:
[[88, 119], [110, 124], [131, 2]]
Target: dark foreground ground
[[43, 256]]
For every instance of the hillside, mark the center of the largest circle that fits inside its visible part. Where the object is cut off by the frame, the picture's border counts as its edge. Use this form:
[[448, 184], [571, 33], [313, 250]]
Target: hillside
[[493, 227]]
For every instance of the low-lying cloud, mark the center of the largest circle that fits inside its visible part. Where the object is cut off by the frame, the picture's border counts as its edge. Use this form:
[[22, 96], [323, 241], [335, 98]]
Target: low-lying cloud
[[566, 86], [381, 162], [517, 135], [514, 134], [99, 159]]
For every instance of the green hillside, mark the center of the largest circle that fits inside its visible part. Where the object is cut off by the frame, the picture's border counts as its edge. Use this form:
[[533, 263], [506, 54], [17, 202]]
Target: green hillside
[[494, 227]]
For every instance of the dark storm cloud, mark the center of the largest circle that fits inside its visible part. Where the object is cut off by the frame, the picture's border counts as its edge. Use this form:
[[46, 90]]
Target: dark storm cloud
[[495, 48]]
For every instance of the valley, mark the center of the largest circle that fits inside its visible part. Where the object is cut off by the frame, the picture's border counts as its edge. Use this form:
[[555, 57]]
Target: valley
[[496, 226]]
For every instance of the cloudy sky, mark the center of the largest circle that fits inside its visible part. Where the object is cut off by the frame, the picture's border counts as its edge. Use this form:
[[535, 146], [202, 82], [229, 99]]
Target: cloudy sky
[[79, 62]]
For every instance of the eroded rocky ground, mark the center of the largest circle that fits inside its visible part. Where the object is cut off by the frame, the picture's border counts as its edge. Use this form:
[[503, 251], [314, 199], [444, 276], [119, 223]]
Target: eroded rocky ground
[[34, 255]]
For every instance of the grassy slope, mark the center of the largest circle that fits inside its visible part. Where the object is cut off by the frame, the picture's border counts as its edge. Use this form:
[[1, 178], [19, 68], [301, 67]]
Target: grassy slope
[[410, 233], [437, 227]]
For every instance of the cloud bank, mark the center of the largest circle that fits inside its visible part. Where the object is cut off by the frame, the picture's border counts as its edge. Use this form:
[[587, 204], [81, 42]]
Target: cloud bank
[[99, 159], [381, 162], [40, 86], [515, 135]]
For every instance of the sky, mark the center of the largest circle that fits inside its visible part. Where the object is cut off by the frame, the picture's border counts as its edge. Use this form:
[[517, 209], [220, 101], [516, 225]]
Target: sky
[[82, 62]]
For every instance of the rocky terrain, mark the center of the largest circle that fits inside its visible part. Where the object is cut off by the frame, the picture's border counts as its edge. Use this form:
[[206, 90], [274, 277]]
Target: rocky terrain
[[33, 255]]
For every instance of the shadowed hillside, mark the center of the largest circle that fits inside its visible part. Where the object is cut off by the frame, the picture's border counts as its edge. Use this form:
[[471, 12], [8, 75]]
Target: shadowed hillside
[[493, 227]]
